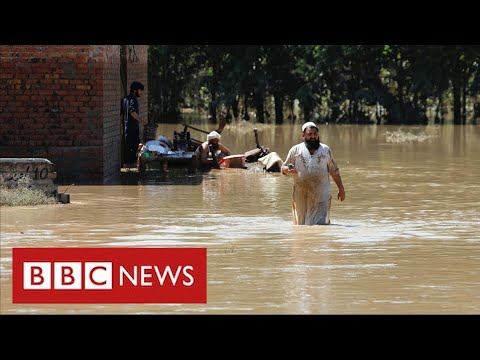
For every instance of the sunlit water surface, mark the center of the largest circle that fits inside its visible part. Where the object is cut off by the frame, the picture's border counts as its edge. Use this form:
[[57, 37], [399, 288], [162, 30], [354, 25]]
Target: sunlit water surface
[[405, 241]]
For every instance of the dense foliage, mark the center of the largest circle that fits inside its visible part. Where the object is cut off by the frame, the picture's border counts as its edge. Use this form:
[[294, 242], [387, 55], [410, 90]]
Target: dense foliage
[[360, 84]]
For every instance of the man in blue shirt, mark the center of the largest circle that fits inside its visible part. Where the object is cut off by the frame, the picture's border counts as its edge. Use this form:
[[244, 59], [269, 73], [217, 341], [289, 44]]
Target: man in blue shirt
[[132, 121]]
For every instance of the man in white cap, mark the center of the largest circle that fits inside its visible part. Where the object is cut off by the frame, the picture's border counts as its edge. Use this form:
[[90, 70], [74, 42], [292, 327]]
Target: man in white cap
[[204, 153], [312, 164]]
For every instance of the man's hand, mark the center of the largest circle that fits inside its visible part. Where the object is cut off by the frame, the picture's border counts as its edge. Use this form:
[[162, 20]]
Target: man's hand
[[288, 169], [341, 194]]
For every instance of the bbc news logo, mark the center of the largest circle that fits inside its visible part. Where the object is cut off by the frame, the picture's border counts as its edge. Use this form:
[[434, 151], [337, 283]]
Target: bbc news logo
[[109, 275], [67, 275]]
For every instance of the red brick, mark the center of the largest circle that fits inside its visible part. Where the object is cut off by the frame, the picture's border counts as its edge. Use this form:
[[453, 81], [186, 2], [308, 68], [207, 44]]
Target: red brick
[[82, 83]]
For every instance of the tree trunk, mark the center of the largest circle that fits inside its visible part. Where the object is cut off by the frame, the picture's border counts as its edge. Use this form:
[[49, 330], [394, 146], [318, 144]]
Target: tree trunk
[[437, 112], [336, 112], [476, 111], [378, 117], [278, 108], [350, 110], [443, 111], [235, 109], [260, 107], [400, 116], [401, 110], [307, 112], [457, 101], [228, 117], [212, 108], [292, 110], [356, 112], [246, 116], [464, 96]]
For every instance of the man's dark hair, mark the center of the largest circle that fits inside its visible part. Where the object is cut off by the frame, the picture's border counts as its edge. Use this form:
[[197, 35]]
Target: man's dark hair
[[136, 85]]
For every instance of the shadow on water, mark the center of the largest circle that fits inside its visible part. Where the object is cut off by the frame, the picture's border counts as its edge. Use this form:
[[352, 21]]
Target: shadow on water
[[174, 176], [344, 225]]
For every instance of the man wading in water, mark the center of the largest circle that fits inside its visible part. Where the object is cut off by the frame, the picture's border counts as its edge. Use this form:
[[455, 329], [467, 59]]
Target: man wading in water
[[312, 164]]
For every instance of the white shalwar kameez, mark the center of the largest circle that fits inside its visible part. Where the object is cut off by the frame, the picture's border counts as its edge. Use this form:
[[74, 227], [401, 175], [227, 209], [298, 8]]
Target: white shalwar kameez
[[311, 184]]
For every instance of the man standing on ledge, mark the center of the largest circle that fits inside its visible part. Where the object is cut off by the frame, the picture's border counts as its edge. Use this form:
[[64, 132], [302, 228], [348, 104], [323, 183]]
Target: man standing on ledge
[[312, 164], [132, 121]]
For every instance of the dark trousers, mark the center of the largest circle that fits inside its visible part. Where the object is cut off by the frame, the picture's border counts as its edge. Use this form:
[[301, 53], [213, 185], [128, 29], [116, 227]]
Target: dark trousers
[[132, 139]]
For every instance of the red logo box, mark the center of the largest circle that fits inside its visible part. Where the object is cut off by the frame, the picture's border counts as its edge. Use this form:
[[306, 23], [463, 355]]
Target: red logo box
[[109, 275]]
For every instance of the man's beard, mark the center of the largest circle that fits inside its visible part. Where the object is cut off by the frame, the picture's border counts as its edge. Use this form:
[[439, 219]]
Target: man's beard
[[312, 144], [214, 146]]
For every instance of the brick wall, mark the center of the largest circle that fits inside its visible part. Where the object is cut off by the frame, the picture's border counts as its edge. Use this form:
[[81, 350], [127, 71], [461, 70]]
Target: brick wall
[[62, 102], [112, 127]]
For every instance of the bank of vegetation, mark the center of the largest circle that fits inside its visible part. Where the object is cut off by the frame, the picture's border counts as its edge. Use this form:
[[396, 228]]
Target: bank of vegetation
[[23, 194], [356, 84]]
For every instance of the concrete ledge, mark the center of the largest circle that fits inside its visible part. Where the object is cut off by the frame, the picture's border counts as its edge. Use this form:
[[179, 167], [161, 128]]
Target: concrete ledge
[[39, 170]]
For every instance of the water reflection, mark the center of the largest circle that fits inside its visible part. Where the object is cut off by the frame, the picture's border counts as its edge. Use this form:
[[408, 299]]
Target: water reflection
[[174, 176], [405, 240]]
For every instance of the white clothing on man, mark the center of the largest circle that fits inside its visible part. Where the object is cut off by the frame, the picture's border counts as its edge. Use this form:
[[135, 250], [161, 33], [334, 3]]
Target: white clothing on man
[[311, 186]]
